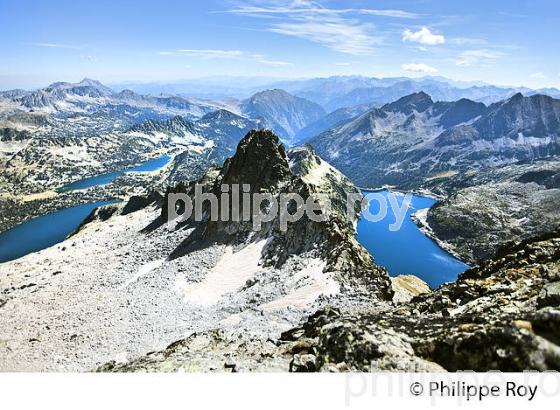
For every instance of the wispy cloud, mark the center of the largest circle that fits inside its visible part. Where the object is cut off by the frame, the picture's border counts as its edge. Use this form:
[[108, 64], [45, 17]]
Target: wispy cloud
[[474, 57], [423, 36], [338, 29], [307, 7], [274, 63], [204, 53], [216, 53], [57, 45], [539, 75], [419, 68], [338, 35], [388, 13]]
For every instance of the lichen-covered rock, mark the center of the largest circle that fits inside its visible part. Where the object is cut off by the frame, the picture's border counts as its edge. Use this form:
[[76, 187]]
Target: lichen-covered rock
[[550, 294], [492, 318], [302, 363], [212, 351]]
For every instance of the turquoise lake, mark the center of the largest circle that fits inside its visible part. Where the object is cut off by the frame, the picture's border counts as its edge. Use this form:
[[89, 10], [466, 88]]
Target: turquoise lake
[[407, 250], [43, 231], [47, 230], [105, 179]]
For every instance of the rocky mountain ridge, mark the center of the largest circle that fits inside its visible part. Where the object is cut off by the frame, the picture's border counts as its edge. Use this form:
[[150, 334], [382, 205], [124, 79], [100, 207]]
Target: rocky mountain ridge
[[413, 139], [90, 95]]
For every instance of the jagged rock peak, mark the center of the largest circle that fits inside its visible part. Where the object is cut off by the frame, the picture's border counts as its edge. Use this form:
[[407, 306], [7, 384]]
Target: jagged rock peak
[[301, 157], [260, 160], [304, 160]]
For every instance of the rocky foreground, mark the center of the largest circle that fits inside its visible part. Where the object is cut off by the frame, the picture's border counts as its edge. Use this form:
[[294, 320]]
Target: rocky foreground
[[502, 315], [222, 297]]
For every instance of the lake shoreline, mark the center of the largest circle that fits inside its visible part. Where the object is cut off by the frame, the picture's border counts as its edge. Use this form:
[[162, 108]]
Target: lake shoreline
[[16, 210], [411, 249], [44, 231], [420, 218]]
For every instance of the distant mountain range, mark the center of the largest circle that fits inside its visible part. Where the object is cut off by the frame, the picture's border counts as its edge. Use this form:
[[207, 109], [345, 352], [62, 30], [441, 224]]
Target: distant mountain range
[[405, 141], [276, 109], [341, 91], [414, 138], [90, 96], [337, 92]]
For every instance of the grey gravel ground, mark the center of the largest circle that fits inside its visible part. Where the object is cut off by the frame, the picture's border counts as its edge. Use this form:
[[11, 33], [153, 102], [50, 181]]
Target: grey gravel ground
[[108, 293]]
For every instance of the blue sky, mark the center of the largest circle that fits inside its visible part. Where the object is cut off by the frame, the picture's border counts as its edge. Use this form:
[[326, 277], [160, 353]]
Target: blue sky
[[506, 42]]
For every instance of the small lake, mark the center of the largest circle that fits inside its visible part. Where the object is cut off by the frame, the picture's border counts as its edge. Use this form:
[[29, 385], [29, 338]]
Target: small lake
[[407, 250], [43, 231], [48, 230], [105, 179]]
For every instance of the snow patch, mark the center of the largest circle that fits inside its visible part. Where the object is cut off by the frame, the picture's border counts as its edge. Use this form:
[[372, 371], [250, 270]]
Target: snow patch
[[143, 271], [317, 173], [308, 284], [230, 273]]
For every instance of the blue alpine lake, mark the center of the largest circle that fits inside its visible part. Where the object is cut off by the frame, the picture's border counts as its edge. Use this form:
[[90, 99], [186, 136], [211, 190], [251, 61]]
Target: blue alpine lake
[[406, 250], [47, 230], [105, 179], [43, 231]]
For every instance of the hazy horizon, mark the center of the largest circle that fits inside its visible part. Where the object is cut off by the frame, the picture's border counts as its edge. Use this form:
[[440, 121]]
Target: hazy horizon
[[257, 82]]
